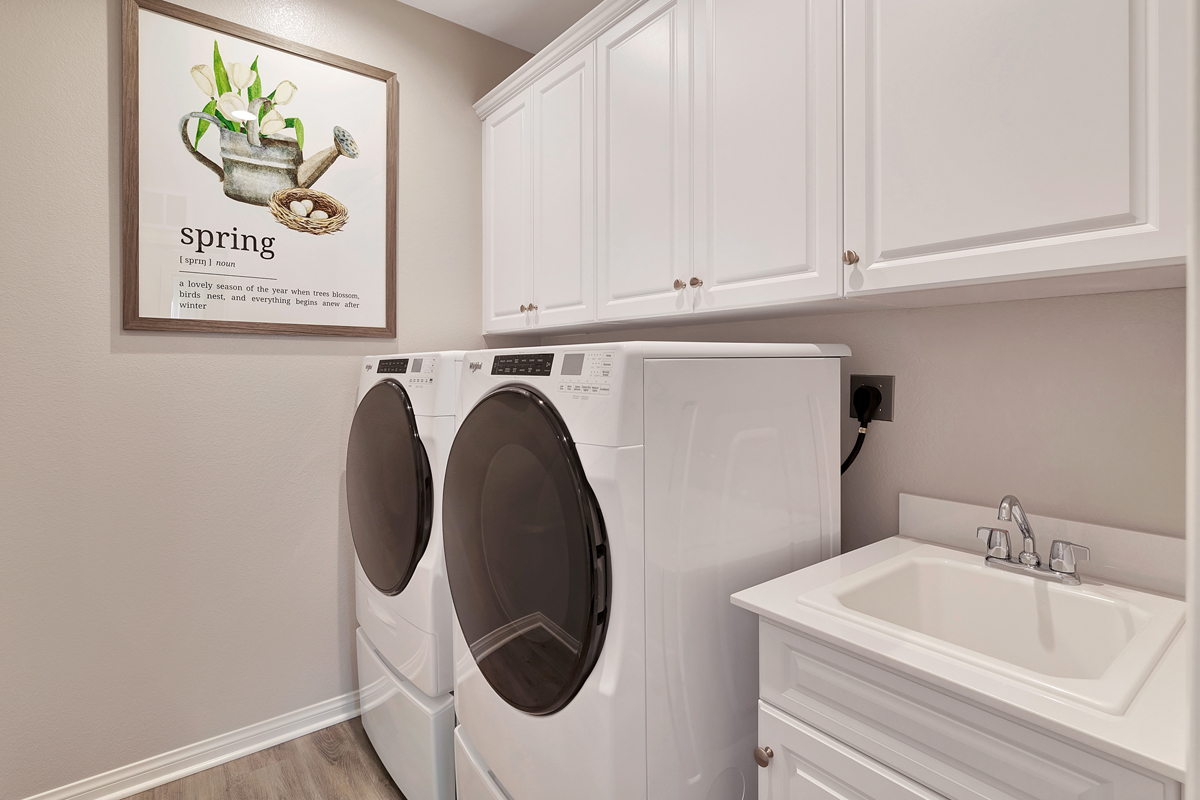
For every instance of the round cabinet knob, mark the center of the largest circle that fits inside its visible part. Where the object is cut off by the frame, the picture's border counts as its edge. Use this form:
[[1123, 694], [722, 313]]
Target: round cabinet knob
[[763, 756], [679, 284], [524, 308], [849, 258], [695, 282], [532, 307]]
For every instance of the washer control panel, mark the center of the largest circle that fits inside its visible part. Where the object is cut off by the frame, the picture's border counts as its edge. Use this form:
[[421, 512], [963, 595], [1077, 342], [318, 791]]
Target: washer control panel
[[586, 374]]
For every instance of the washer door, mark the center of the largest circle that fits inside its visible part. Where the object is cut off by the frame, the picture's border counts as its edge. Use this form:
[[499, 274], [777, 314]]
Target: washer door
[[526, 551], [389, 487]]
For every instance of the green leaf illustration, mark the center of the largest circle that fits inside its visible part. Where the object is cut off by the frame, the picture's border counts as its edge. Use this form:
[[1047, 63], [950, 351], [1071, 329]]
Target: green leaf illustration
[[202, 124], [233, 126], [255, 90], [223, 84], [294, 122]]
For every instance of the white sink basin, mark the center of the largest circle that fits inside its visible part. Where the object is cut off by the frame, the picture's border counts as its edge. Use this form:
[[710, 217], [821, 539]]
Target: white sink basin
[[1092, 644]]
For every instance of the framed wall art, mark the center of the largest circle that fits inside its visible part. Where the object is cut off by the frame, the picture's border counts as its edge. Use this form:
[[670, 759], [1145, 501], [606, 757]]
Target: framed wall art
[[259, 181]]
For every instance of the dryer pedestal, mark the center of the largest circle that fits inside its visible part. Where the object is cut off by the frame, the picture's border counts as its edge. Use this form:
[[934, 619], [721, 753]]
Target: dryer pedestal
[[412, 734], [475, 781]]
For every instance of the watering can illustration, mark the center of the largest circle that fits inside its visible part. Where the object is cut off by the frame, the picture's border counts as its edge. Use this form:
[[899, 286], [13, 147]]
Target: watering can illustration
[[255, 167]]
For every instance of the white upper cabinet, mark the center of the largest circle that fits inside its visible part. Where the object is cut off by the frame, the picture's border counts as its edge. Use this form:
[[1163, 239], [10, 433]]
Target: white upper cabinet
[[507, 212], [1002, 139], [643, 147], [564, 207], [665, 158], [767, 168]]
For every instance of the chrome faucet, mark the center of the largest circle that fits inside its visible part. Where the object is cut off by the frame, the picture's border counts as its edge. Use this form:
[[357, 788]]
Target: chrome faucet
[[1063, 555], [1011, 511]]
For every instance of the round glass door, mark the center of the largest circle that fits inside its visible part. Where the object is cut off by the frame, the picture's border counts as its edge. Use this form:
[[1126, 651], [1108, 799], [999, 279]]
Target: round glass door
[[526, 551], [389, 487]]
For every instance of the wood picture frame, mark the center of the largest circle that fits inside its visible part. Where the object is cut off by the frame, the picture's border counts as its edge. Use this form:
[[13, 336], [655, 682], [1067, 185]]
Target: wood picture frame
[[142, 280]]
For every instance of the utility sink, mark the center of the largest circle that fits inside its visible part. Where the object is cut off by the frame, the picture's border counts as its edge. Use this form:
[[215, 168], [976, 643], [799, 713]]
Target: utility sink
[[1093, 644]]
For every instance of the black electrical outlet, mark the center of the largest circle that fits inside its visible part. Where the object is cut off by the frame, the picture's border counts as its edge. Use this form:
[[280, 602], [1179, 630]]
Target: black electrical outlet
[[886, 384]]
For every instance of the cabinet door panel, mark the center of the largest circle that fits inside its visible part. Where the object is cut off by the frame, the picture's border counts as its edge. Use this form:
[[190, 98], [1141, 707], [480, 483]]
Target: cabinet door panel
[[507, 217], [643, 152], [767, 164], [808, 765], [564, 241], [1011, 138]]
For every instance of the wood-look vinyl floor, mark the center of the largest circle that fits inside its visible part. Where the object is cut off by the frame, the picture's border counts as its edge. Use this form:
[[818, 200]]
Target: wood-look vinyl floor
[[336, 763]]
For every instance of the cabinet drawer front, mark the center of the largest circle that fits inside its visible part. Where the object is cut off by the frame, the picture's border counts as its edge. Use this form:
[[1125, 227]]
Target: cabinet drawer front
[[808, 765], [959, 750]]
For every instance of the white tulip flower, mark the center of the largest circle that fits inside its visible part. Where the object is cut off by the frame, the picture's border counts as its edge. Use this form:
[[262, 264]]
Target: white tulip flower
[[272, 122], [230, 104], [284, 93], [240, 75], [202, 74]]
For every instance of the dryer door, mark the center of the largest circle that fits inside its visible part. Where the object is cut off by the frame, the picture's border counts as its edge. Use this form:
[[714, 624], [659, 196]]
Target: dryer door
[[525, 551], [389, 487]]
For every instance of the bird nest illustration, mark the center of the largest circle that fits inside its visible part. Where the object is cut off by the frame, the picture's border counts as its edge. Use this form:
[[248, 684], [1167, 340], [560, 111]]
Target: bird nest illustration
[[308, 211]]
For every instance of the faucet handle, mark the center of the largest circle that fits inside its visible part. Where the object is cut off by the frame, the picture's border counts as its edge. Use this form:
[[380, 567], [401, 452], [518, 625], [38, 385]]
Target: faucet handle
[[1063, 556], [997, 542]]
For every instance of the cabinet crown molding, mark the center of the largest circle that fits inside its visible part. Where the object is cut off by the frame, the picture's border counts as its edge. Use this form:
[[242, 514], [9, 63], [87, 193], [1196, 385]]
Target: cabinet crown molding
[[574, 39]]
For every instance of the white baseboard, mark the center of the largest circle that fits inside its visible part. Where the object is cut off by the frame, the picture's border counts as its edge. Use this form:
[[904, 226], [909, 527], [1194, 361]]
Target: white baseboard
[[157, 770]]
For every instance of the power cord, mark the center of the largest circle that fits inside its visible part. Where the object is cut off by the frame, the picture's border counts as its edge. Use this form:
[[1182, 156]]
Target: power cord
[[866, 403]]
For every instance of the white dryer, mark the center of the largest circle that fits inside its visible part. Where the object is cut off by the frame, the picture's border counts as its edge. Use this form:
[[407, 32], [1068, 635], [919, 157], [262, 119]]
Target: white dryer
[[601, 504], [395, 462]]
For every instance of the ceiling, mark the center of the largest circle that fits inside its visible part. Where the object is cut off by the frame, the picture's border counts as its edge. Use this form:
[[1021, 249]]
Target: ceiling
[[527, 24]]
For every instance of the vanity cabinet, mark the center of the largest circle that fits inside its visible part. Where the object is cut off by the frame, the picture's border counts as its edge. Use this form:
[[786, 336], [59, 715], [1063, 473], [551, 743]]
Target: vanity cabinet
[[741, 157], [839, 726], [806, 764]]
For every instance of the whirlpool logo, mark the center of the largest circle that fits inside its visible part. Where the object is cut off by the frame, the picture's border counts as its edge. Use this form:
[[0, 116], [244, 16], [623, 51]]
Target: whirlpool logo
[[476, 366]]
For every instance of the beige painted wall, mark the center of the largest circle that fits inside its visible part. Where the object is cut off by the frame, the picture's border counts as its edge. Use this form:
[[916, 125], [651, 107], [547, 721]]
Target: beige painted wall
[[1075, 404], [174, 556], [175, 561]]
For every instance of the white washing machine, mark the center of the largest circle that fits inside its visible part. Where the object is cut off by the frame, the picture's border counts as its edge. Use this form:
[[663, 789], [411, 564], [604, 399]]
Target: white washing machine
[[601, 504], [395, 463]]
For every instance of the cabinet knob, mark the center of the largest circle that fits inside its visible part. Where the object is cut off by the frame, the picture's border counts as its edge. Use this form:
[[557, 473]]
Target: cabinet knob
[[763, 756], [532, 307], [524, 308], [695, 282], [849, 258], [679, 284]]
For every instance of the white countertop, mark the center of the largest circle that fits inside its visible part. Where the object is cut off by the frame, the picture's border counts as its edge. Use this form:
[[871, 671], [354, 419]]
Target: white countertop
[[1151, 734]]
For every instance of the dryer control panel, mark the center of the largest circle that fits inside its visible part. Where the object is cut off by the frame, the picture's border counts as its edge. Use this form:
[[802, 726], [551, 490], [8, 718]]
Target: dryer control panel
[[392, 366], [587, 373], [537, 364], [419, 370]]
